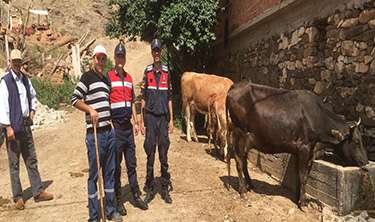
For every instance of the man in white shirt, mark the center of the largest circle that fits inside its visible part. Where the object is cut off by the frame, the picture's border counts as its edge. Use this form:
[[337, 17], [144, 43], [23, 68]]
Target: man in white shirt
[[17, 110]]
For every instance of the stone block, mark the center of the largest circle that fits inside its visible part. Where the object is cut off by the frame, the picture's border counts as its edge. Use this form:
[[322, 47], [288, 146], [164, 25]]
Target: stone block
[[313, 33], [330, 64], [347, 23], [352, 32], [283, 42], [339, 67], [299, 65], [344, 189], [348, 48], [368, 59], [366, 15], [326, 75], [370, 113], [312, 81], [365, 36], [361, 45], [311, 51], [371, 23], [361, 68], [291, 65], [372, 67], [320, 87]]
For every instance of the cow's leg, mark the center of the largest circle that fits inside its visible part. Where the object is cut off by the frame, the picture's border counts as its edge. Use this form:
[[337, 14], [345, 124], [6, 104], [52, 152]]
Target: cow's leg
[[246, 173], [192, 124], [239, 164], [186, 108], [208, 125], [222, 121], [304, 159]]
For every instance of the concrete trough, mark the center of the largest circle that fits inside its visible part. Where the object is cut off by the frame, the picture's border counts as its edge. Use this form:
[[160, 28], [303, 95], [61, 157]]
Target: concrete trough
[[344, 189]]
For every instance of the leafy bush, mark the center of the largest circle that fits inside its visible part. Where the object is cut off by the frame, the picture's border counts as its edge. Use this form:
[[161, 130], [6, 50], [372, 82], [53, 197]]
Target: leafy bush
[[185, 26], [51, 94], [108, 66]]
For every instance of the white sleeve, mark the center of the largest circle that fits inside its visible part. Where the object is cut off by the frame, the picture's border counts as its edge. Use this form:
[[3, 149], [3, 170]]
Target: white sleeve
[[34, 100], [4, 104]]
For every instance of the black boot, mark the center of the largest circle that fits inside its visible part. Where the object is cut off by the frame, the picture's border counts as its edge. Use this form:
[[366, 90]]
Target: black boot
[[150, 194], [166, 196], [120, 208], [138, 202]]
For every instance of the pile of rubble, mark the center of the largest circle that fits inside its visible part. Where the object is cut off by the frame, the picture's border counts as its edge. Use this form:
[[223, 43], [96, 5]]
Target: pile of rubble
[[46, 116], [357, 216], [361, 217]]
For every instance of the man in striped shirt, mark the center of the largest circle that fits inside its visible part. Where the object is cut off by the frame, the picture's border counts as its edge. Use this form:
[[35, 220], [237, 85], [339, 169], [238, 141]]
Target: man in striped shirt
[[91, 96]]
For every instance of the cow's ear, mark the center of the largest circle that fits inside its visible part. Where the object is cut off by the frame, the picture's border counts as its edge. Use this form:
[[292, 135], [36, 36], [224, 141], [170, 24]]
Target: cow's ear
[[337, 134]]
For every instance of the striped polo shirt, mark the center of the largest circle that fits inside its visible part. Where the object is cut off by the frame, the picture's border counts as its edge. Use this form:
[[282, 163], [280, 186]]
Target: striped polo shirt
[[94, 91]]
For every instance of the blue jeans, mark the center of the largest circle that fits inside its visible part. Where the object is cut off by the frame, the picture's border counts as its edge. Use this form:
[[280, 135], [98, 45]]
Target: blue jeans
[[125, 149], [23, 145], [107, 149]]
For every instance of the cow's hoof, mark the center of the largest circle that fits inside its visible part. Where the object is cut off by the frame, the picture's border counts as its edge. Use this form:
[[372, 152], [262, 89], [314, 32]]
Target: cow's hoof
[[249, 186], [227, 185], [195, 139], [302, 204], [242, 195]]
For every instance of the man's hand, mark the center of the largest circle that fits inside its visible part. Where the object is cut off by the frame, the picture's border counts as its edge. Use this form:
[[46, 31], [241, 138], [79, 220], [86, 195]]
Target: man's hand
[[94, 117], [10, 134], [136, 129], [171, 127], [32, 114]]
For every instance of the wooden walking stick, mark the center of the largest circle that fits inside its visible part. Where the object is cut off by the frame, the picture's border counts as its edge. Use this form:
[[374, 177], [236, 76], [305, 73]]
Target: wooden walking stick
[[100, 176]]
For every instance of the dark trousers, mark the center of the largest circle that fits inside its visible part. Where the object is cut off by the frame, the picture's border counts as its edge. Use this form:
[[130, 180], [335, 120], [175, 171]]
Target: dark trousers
[[107, 149], [24, 144], [125, 148], [157, 135]]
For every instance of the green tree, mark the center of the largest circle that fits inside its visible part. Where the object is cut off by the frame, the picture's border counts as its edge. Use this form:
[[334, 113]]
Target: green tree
[[186, 27]]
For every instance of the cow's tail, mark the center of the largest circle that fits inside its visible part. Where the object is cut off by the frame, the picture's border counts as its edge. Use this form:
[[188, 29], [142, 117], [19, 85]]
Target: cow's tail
[[229, 141], [208, 123]]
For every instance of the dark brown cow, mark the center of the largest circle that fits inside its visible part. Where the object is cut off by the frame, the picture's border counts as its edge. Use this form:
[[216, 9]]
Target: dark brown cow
[[287, 121]]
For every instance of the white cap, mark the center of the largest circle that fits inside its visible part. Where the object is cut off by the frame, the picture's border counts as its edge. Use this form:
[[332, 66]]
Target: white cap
[[15, 54], [99, 49]]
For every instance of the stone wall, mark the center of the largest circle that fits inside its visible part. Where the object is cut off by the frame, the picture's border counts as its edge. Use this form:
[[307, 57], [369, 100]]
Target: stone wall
[[333, 56]]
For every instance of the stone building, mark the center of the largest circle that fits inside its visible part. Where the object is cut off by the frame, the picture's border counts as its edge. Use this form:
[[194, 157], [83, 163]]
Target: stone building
[[326, 46]]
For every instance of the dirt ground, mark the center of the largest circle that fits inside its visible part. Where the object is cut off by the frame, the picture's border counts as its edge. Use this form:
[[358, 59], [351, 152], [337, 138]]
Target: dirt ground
[[197, 176]]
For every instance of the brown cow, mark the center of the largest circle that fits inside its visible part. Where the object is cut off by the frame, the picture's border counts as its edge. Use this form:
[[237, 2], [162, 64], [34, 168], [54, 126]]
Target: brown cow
[[200, 92]]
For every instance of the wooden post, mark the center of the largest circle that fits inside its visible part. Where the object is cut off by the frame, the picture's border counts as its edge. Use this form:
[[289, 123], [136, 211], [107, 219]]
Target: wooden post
[[7, 50], [76, 60], [23, 44], [1, 12]]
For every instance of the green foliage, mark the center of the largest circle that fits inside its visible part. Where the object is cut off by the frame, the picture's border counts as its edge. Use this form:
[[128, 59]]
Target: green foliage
[[188, 25], [108, 66], [51, 94], [185, 26]]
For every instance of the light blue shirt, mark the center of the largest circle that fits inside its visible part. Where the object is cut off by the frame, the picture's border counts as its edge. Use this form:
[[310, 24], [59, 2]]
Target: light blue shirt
[[4, 102]]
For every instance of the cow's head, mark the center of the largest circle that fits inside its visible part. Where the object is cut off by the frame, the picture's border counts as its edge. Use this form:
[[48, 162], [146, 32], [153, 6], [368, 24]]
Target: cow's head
[[351, 148]]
